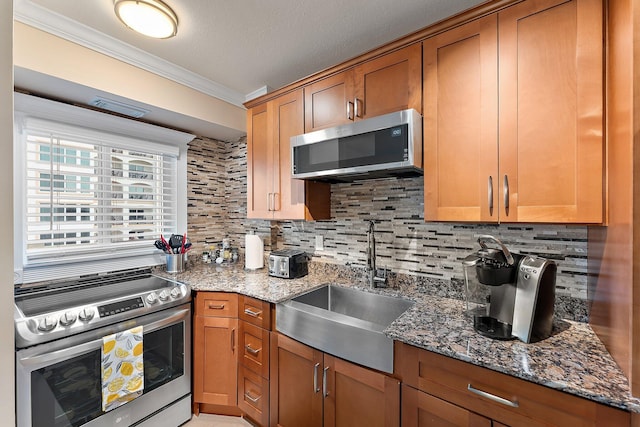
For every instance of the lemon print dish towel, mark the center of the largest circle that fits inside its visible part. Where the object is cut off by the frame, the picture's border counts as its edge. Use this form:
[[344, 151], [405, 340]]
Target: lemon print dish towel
[[122, 368]]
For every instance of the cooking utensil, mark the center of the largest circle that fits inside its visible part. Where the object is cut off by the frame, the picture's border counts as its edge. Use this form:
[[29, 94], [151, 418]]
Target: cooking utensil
[[175, 242], [166, 245], [158, 244]]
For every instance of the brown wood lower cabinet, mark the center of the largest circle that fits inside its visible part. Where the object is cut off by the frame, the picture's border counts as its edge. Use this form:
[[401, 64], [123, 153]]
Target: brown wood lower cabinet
[[242, 367], [462, 394], [231, 355], [357, 396], [313, 389], [215, 361], [253, 363], [253, 395], [420, 409]]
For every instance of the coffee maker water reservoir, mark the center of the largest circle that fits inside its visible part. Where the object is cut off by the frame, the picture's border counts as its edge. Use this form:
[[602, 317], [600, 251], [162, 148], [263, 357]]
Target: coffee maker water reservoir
[[507, 294]]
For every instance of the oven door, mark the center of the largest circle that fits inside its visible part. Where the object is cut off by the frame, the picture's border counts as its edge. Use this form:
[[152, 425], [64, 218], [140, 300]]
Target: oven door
[[59, 383]]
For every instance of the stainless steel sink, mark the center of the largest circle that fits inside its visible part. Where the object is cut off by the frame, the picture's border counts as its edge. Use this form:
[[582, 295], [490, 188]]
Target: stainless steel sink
[[344, 322]]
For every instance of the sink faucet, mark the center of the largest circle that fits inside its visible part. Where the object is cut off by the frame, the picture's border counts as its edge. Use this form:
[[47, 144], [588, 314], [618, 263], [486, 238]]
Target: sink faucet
[[375, 280]]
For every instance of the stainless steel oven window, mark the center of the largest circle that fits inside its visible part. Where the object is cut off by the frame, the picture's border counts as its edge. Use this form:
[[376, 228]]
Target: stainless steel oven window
[[163, 356], [59, 383], [67, 393]]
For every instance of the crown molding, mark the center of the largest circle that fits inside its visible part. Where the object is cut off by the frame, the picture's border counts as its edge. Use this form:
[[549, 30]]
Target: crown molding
[[43, 19], [258, 92]]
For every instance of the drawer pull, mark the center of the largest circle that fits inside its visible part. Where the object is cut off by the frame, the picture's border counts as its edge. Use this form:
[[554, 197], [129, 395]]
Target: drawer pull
[[252, 350], [216, 306], [513, 404], [252, 313], [251, 398]]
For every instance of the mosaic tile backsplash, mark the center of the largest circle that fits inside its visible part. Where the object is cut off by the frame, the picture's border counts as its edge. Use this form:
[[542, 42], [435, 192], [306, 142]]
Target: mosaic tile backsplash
[[405, 243]]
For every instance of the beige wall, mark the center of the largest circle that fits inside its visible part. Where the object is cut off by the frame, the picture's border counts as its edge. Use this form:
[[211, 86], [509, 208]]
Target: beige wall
[[45, 53], [7, 406]]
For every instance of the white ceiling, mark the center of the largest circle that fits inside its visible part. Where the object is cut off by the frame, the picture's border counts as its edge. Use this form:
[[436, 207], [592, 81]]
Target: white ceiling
[[233, 49]]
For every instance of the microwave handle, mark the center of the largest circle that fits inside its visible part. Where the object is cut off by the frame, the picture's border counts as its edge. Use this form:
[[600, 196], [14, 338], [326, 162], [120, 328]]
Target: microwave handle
[[48, 358]]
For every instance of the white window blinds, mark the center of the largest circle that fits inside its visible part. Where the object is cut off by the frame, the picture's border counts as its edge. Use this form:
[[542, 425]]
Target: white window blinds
[[89, 195]]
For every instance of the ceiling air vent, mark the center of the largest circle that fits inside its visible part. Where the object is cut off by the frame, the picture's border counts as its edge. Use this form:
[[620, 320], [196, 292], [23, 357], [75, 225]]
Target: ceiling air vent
[[118, 107]]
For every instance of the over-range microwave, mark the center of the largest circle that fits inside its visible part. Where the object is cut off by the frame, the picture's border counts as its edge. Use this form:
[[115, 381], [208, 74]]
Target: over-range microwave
[[382, 146]]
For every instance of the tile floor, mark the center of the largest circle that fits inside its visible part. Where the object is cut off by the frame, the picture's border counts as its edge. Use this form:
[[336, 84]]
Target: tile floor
[[208, 420]]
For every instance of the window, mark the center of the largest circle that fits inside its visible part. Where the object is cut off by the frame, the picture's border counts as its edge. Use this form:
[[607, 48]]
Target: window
[[75, 197], [89, 194]]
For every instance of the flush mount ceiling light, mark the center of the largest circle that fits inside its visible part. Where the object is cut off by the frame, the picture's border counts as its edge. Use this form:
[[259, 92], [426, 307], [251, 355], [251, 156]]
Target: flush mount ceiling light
[[152, 18]]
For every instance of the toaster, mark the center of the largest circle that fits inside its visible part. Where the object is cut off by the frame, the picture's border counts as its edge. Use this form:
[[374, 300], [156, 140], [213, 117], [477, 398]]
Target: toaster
[[288, 264]]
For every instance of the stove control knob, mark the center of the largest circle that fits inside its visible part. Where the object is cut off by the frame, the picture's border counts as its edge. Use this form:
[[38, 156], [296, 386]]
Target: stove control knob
[[164, 295], [67, 319], [86, 314], [152, 298], [175, 293], [47, 324]]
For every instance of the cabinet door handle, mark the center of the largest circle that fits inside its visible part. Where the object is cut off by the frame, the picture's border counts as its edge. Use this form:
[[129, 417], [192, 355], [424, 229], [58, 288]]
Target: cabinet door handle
[[252, 350], [251, 398], [269, 202], [490, 193], [493, 397], [216, 306], [252, 313], [356, 108], [274, 201], [233, 340], [505, 188], [349, 109], [316, 389], [325, 388]]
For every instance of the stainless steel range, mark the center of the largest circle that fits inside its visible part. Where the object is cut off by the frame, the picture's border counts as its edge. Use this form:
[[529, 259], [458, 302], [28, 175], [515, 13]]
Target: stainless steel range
[[59, 336]]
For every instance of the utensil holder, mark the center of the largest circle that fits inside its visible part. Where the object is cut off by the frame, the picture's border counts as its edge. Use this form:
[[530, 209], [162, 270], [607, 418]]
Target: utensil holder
[[175, 262]]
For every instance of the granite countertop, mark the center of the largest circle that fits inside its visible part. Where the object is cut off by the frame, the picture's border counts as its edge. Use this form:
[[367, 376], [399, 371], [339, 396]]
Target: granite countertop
[[234, 278], [572, 360]]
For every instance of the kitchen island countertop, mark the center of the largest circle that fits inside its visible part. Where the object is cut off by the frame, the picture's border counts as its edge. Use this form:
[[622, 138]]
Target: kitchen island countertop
[[572, 360]]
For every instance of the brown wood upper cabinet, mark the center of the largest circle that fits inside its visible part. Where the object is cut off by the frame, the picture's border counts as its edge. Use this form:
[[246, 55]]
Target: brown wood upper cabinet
[[513, 116], [389, 83], [271, 192]]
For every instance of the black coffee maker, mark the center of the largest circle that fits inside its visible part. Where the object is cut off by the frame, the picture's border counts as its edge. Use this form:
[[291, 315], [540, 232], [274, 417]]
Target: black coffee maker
[[509, 295]]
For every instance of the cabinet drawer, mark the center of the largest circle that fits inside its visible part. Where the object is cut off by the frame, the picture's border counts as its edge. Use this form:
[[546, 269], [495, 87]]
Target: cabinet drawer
[[253, 395], [519, 402], [420, 409], [255, 311], [218, 304], [254, 349]]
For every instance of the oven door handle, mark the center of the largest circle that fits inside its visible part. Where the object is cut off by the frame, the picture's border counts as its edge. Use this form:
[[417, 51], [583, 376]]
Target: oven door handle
[[46, 358]]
